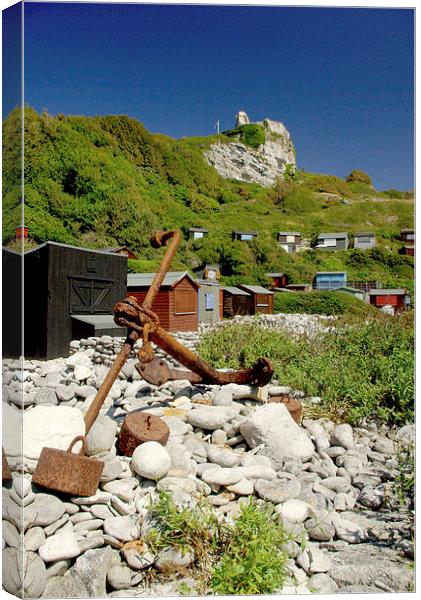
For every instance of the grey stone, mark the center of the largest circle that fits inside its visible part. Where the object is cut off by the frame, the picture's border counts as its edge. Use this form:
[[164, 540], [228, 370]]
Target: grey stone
[[277, 491], [138, 559], [219, 437], [86, 579], [44, 510], [24, 573], [244, 487], [151, 460], [101, 436], [321, 583], [46, 395], [384, 445], [11, 535], [210, 417], [294, 510], [58, 568], [56, 525], [34, 538], [119, 577], [337, 484], [175, 484], [342, 435], [348, 530], [319, 529], [65, 392], [122, 528], [335, 451], [60, 546], [264, 427], [222, 476], [223, 457], [371, 497], [173, 559]]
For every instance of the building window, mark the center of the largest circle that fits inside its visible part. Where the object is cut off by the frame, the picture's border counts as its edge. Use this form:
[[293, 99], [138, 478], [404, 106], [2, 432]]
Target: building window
[[209, 302], [331, 243], [245, 237], [290, 239], [364, 240], [198, 234], [410, 236]]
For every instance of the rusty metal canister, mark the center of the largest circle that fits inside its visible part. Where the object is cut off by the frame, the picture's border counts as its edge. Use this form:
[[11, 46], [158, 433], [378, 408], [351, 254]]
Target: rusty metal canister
[[67, 472], [139, 428]]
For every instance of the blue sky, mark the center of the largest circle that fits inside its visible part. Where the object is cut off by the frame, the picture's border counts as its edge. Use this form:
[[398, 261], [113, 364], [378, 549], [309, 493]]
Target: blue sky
[[341, 80]]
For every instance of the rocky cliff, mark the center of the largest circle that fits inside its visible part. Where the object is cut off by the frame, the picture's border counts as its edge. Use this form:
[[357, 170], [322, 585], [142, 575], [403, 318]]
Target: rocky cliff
[[237, 160]]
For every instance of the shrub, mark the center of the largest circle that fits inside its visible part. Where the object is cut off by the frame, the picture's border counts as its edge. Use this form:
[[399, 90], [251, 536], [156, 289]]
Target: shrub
[[253, 561], [246, 557], [320, 303], [360, 176], [326, 183], [252, 134], [364, 367]]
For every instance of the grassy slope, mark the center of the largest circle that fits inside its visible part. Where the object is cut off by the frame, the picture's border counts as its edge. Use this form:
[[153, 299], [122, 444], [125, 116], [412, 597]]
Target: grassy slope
[[102, 181]]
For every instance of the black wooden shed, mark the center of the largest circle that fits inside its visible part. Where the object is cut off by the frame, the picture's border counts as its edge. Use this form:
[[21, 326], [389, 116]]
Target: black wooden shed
[[69, 293]]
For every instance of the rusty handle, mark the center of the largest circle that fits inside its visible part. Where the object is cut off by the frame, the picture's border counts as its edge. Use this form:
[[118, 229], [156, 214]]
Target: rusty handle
[[111, 376], [259, 374], [158, 239]]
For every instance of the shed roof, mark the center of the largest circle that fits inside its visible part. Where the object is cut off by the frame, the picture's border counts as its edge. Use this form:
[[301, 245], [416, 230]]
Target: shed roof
[[348, 289], [99, 321], [387, 292], [289, 233], [58, 244], [145, 279], [256, 289], [330, 273], [274, 274], [407, 230], [198, 229], [204, 282], [235, 291], [117, 249], [334, 236], [245, 232]]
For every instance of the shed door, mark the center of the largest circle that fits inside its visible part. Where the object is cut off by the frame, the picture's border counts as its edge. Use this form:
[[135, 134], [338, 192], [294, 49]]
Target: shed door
[[185, 302], [89, 296]]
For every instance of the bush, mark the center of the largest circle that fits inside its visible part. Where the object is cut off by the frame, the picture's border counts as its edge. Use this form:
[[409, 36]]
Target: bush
[[244, 558], [326, 183], [253, 561], [320, 303], [360, 176], [363, 368], [252, 134]]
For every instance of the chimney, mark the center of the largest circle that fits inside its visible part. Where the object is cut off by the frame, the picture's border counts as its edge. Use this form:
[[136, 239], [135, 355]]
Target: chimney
[[21, 232]]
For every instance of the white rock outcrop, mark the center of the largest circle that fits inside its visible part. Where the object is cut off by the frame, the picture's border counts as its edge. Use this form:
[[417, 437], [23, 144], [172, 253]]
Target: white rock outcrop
[[235, 160]]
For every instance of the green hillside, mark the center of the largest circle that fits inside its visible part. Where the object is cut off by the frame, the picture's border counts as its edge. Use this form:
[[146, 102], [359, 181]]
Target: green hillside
[[107, 181]]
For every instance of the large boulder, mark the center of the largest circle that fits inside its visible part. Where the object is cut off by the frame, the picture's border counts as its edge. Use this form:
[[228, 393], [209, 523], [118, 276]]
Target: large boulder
[[272, 427], [51, 427]]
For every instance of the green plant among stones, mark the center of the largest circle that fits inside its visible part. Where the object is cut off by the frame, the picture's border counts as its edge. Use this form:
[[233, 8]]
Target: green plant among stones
[[404, 484], [244, 557], [253, 562]]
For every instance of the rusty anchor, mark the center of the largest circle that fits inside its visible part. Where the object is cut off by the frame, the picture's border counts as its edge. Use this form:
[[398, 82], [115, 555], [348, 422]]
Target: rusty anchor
[[142, 320], [76, 474]]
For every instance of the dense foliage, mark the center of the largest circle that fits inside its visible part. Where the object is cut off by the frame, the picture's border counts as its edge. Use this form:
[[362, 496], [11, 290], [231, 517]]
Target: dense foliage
[[361, 176], [320, 303], [107, 181], [364, 367], [246, 557]]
